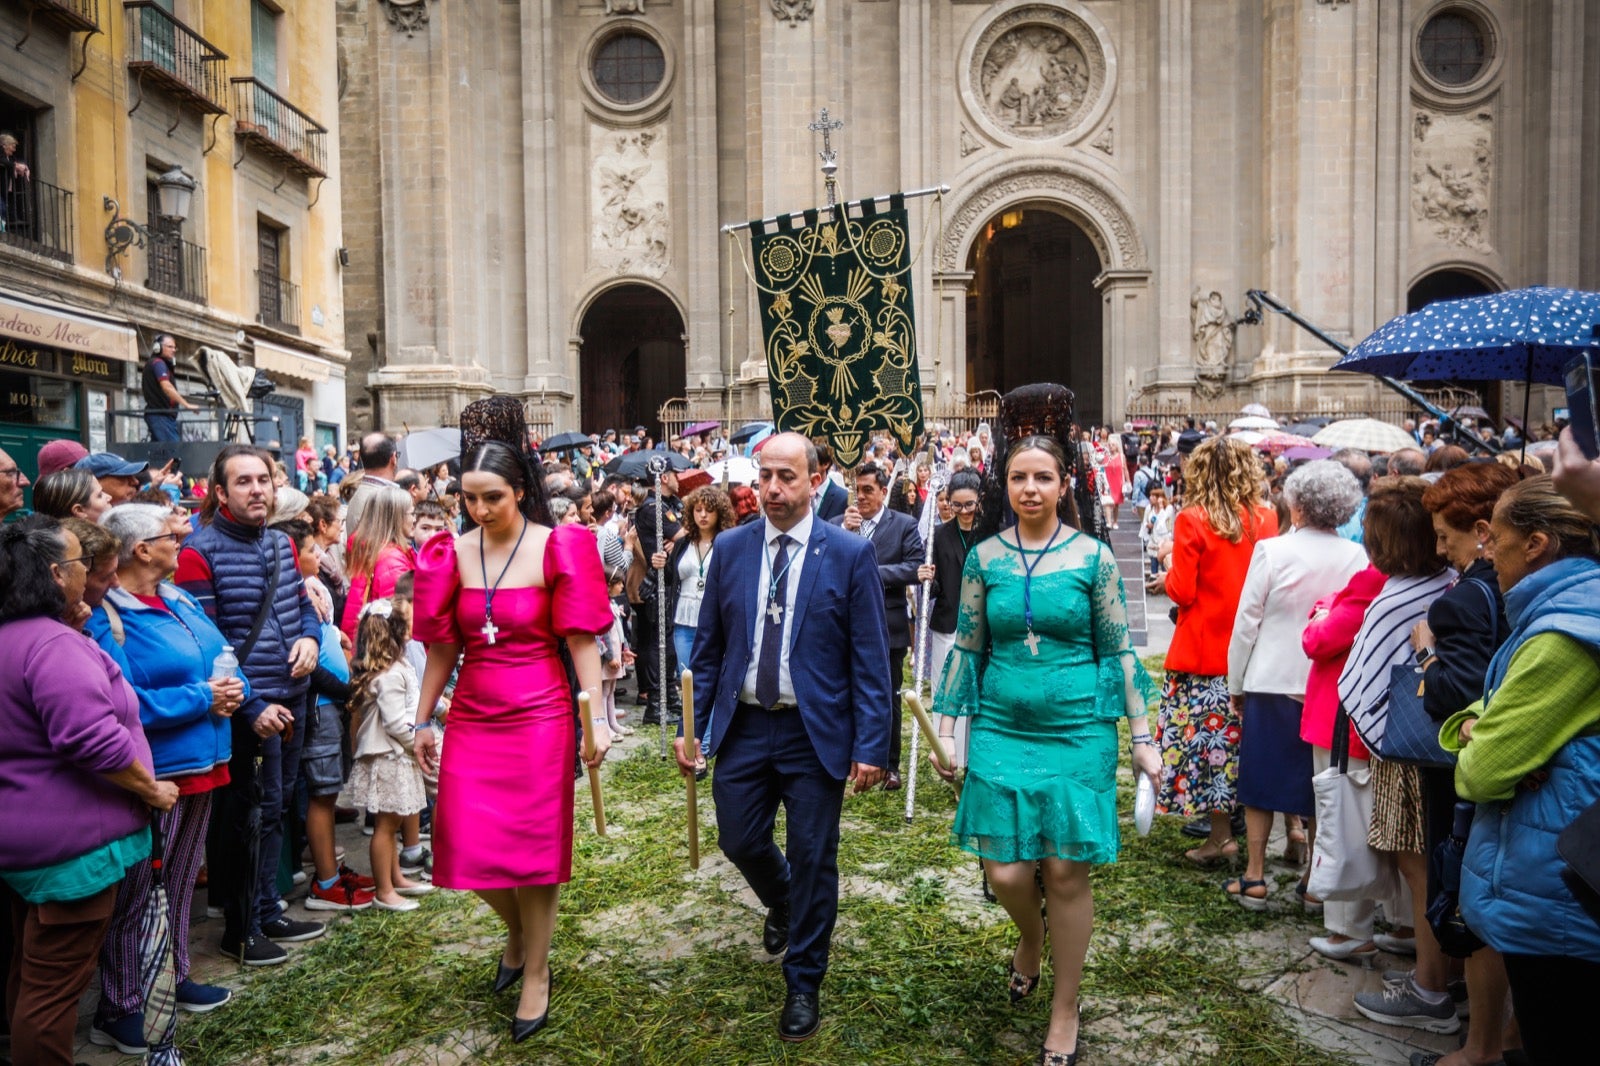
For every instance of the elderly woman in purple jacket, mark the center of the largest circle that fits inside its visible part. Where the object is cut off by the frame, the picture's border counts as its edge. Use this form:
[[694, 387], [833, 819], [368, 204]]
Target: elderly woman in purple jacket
[[77, 761]]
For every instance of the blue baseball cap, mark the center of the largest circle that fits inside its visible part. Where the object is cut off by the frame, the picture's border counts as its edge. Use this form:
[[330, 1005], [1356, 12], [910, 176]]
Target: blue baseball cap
[[105, 464]]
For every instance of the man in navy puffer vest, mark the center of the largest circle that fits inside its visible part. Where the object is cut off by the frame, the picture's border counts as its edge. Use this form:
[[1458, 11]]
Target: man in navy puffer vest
[[227, 565]]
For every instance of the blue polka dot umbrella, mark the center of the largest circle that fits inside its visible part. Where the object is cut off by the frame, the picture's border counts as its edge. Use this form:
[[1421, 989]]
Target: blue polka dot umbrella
[[1522, 335]]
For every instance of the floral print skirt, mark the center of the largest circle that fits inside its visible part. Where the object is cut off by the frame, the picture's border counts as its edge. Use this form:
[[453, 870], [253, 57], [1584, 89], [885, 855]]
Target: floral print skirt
[[1198, 735]]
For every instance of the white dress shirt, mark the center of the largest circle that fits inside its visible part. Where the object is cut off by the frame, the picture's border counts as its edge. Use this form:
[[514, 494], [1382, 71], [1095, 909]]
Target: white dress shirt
[[801, 535], [1287, 576]]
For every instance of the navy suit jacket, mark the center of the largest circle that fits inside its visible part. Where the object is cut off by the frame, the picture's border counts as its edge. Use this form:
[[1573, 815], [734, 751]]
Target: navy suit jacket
[[833, 502], [898, 546], [838, 655]]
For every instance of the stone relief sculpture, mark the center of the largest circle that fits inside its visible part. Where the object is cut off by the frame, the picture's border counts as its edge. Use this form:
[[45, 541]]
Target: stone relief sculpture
[[1037, 71], [1106, 142], [792, 11], [624, 7], [630, 228], [1213, 329], [969, 143], [407, 16], [1035, 78], [1451, 158]]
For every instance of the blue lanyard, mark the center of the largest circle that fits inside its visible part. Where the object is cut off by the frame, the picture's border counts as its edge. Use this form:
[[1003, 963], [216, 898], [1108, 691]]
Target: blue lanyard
[[1027, 573]]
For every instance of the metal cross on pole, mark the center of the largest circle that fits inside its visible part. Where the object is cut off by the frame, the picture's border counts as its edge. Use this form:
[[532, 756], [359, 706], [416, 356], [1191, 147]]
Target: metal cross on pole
[[830, 161]]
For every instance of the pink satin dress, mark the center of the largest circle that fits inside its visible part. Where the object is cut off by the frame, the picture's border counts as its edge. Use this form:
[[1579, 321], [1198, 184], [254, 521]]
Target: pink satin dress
[[505, 807]]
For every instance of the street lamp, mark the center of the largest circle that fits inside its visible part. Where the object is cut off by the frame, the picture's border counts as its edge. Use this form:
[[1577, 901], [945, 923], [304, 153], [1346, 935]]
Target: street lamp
[[174, 194]]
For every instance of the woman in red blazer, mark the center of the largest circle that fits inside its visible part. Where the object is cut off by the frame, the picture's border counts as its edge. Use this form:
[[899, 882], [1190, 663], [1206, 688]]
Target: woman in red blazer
[[1197, 728]]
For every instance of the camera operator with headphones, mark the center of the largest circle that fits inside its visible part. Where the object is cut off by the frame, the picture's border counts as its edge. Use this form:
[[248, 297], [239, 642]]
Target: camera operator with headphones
[[161, 397]]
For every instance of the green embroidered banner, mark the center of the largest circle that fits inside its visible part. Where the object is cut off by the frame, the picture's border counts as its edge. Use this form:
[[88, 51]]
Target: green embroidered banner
[[836, 319]]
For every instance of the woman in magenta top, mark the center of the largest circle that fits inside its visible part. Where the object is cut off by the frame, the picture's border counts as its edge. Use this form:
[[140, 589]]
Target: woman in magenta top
[[380, 551], [504, 596]]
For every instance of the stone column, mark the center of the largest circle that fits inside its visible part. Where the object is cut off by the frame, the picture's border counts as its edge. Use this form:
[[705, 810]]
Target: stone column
[[1125, 330], [1174, 116], [947, 381]]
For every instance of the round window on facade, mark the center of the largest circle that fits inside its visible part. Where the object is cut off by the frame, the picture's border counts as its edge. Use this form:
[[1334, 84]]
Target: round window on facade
[[1455, 47], [628, 67]]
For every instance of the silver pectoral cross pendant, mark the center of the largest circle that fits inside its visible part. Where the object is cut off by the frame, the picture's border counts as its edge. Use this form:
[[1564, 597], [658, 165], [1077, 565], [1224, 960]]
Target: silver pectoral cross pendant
[[775, 612], [1032, 641], [489, 629]]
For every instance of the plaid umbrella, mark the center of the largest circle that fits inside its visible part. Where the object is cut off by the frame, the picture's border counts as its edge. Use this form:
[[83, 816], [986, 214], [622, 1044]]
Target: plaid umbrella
[[158, 979], [1367, 434]]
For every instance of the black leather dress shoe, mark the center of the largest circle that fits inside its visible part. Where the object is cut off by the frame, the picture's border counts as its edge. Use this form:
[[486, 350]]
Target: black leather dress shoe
[[775, 934], [891, 781], [505, 976], [801, 1017]]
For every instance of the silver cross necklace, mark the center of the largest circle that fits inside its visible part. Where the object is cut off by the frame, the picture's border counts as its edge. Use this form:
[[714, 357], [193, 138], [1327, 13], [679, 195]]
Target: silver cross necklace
[[490, 630], [1032, 639]]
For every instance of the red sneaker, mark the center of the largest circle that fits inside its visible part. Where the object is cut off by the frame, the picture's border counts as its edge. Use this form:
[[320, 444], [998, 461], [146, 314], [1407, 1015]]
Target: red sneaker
[[342, 895], [359, 880]]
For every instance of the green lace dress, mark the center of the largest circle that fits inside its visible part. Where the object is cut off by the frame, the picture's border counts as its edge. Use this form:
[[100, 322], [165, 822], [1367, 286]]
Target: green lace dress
[[1042, 760]]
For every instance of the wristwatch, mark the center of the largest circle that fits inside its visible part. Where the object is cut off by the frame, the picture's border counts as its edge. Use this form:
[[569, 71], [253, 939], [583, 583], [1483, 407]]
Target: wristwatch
[[1423, 656]]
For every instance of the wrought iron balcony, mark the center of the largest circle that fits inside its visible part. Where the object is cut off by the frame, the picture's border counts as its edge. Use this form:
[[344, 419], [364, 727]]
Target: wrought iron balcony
[[278, 302], [265, 120], [38, 216], [74, 16], [165, 51], [176, 267]]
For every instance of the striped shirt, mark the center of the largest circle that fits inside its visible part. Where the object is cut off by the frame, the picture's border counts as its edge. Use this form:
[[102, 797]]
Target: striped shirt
[[1384, 641]]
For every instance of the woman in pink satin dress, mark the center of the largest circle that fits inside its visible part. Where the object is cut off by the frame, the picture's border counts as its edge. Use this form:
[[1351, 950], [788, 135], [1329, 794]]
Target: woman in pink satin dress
[[504, 595]]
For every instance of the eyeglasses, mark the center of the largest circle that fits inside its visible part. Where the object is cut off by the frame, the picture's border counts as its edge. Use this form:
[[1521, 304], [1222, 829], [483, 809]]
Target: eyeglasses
[[9, 471], [973, 506], [164, 536], [83, 559]]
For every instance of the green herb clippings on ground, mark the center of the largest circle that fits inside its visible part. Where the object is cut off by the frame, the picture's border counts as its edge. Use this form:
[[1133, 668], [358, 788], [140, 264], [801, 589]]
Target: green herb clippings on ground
[[655, 965]]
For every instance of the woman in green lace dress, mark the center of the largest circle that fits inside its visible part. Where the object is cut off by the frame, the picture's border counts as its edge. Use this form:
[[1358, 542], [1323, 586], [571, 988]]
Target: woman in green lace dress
[[1043, 666]]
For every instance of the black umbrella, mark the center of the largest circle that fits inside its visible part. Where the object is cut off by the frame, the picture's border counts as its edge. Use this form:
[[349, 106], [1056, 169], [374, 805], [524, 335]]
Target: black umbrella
[[565, 442], [748, 431], [636, 465]]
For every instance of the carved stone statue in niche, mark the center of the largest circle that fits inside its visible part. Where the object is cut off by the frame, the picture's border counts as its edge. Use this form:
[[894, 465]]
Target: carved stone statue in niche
[[630, 227], [1035, 80], [624, 7], [1451, 166], [792, 11], [1213, 329]]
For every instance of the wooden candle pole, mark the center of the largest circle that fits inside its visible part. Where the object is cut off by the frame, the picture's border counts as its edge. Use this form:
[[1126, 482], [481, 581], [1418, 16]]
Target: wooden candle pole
[[931, 735], [594, 771], [693, 785]]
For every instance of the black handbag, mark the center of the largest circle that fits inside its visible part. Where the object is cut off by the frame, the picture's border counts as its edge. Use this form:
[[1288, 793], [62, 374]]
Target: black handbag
[[1455, 938], [1579, 847], [1410, 735]]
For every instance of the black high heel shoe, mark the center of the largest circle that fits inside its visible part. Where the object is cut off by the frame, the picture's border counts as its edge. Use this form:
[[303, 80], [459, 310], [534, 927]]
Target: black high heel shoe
[[522, 1028], [1063, 1058], [505, 976], [1019, 986]]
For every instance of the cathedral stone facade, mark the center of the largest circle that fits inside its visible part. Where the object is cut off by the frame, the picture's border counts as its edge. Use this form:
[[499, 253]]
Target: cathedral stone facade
[[534, 193]]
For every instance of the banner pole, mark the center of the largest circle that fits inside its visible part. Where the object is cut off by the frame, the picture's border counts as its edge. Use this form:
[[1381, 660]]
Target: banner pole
[[734, 227]]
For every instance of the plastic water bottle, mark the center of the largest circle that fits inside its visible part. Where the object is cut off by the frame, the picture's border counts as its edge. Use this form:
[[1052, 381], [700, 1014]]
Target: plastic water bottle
[[1144, 806], [226, 665]]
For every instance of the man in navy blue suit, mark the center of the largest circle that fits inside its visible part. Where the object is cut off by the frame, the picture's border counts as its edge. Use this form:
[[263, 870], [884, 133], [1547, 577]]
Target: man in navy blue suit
[[830, 499], [791, 688], [898, 546]]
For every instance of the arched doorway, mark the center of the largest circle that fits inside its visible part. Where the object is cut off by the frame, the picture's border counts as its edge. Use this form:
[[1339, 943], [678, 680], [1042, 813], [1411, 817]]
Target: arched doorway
[[1445, 285], [1453, 284], [632, 359], [1033, 313]]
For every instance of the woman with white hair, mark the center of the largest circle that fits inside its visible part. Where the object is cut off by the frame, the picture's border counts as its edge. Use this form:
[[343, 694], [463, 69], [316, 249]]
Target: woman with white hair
[[165, 645], [1267, 667]]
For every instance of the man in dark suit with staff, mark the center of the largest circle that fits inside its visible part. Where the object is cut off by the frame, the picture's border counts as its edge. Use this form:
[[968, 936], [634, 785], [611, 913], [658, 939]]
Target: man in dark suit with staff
[[899, 549], [790, 678]]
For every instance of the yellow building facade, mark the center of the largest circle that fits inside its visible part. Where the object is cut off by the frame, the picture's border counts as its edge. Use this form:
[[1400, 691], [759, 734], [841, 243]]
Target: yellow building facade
[[169, 167]]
